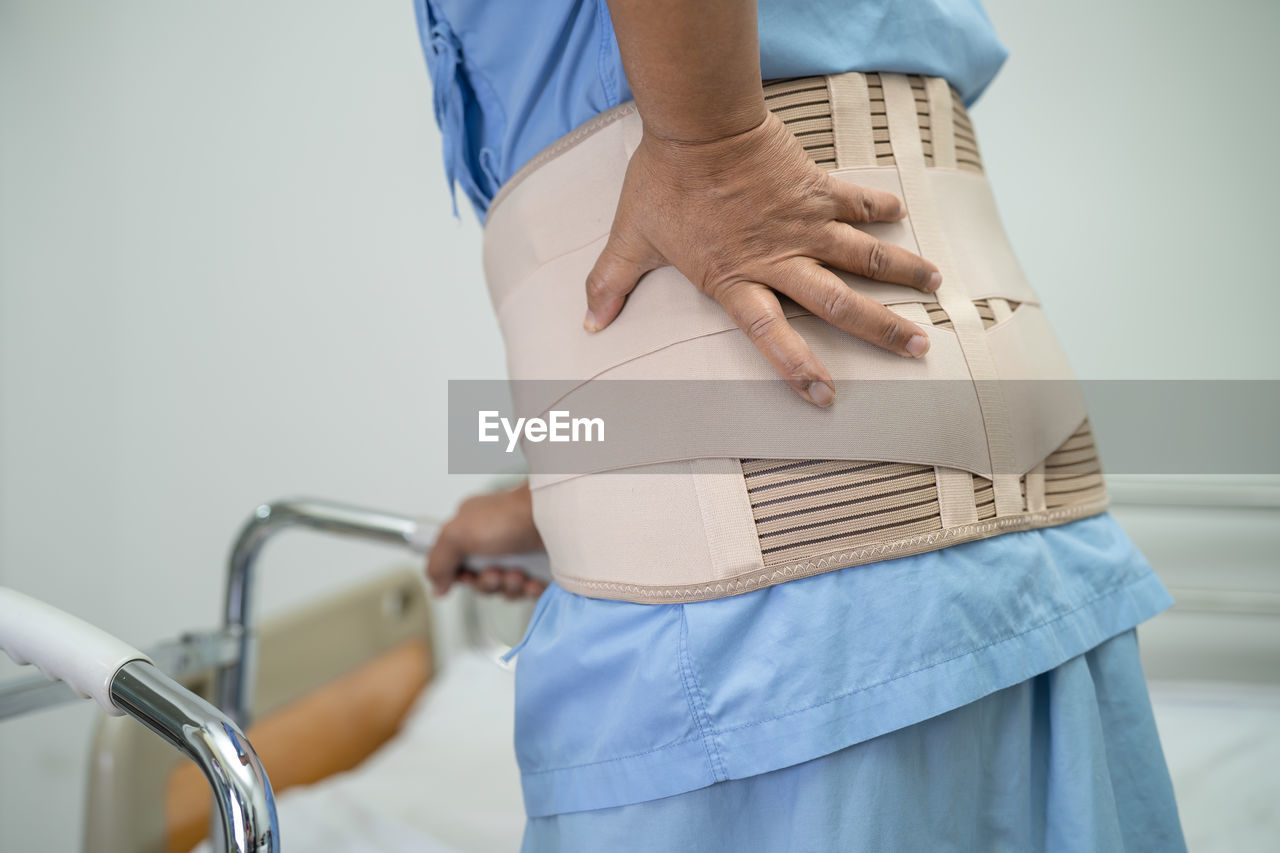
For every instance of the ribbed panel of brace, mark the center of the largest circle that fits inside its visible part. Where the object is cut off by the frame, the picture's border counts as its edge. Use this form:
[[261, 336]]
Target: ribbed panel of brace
[[805, 105], [986, 312], [804, 507]]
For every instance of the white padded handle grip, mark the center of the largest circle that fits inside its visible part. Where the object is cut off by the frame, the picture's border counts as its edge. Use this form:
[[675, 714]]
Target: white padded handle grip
[[535, 564], [63, 647]]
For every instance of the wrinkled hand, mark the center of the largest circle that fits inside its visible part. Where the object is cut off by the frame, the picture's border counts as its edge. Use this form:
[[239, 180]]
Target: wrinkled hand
[[489, 524], [750, 214]]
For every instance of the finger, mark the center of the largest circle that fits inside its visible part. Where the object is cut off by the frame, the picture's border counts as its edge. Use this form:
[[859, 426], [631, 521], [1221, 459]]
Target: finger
[[755, 309], [513, 584], [489, 580], [822, 292], [847, 248], [614, 276], [862, 204], [534, 587], [444, 559]]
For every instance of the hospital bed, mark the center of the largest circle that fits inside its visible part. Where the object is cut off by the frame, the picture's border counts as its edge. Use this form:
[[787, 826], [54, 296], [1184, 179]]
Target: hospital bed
[[375, 744], [318, 689]]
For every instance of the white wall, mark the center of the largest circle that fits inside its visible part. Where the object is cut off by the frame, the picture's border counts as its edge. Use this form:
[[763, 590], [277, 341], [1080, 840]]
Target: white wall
[[228, 272], [1131, 149]]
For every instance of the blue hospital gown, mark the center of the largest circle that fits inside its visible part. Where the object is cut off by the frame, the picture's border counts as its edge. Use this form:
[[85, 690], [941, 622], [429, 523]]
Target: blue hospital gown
[[987, 696]]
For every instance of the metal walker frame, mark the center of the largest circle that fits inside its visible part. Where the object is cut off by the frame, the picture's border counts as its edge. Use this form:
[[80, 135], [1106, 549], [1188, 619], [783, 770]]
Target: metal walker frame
[[147, 689]]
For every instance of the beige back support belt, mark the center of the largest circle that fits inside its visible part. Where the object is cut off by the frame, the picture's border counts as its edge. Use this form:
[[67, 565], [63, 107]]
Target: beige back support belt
[[800, 490]]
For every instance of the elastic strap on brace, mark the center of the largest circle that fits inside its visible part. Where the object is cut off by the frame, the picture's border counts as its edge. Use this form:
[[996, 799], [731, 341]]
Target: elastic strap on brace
[[1035, 489], [727, 521], [913, 311], [957, 504], [851, 120], [941, 122], [908, 153], [956, 501], [1000, 308]]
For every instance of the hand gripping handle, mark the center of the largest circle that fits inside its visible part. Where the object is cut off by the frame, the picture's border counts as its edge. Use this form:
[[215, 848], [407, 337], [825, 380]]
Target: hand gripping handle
[[535, 564], [63, 647]]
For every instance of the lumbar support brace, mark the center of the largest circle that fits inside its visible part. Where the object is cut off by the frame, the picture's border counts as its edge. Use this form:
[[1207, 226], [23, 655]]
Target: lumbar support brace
[[892, 468]]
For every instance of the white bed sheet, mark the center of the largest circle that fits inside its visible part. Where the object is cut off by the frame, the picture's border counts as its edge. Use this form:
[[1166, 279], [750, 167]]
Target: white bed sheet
[[448, 782]]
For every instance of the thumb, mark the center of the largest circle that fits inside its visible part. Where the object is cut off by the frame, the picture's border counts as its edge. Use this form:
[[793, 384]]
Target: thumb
[[614, 276]]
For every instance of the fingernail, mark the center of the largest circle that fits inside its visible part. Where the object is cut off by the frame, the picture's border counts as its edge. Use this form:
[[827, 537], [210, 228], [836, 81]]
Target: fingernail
[[589, 322], [918, 345], [821, 393], [935, 281], [902, 212]]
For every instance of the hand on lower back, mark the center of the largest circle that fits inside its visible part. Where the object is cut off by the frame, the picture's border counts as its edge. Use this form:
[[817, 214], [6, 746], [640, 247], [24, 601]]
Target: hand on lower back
[[745, 216]]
